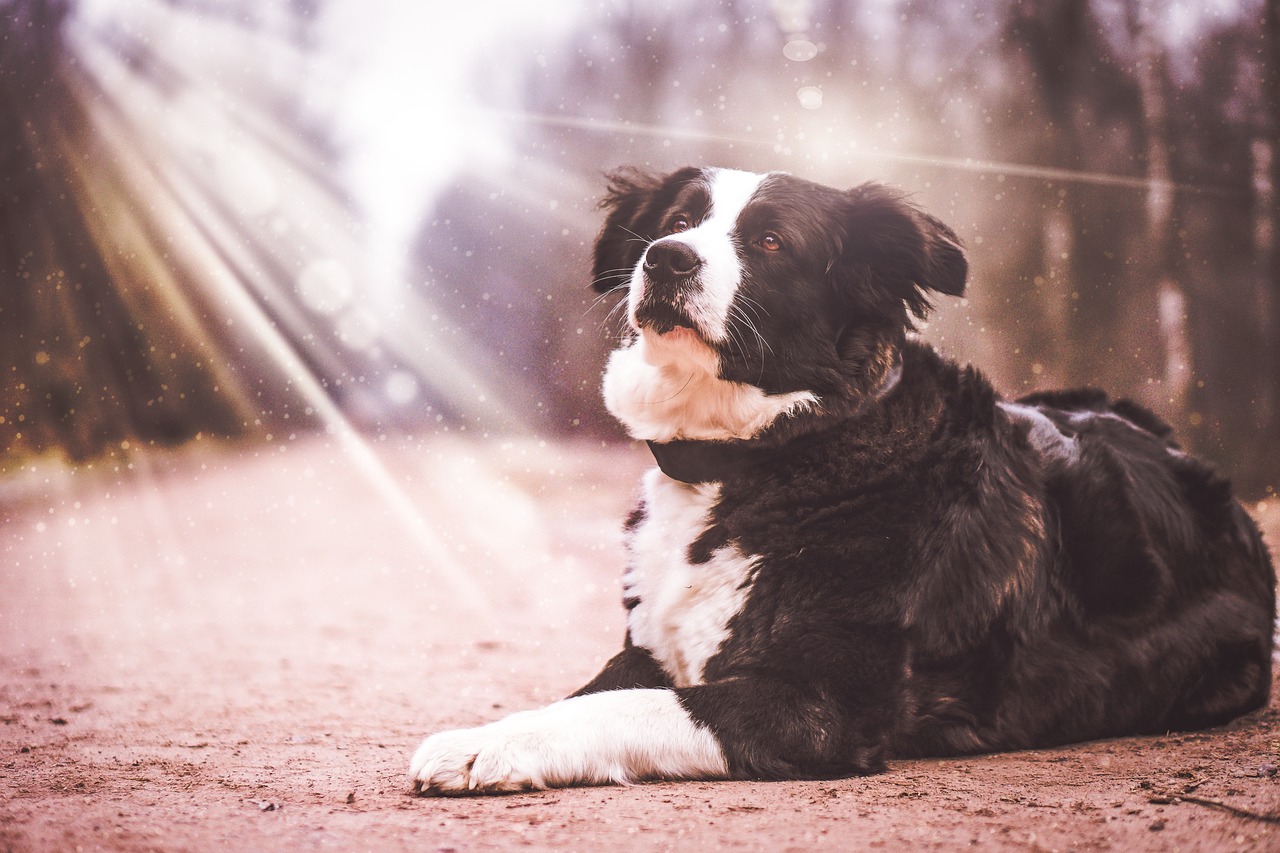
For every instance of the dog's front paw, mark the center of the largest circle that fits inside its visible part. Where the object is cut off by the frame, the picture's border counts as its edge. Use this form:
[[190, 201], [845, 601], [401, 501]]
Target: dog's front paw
[[614, 736], [475, 761]]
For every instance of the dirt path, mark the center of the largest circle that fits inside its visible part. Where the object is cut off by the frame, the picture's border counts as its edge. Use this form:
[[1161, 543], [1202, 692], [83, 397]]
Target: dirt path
[[239, 650]]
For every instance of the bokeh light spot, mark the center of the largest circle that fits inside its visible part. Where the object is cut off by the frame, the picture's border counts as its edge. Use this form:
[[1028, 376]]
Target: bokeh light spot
[[800, 50], [326, 286], [401, 387], [810, 97]]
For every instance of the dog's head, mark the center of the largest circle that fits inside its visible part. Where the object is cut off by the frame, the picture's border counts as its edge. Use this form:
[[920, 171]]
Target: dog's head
[[771, 281]]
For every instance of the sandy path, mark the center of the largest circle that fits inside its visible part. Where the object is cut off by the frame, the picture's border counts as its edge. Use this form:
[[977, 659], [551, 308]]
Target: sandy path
[[239, 649]]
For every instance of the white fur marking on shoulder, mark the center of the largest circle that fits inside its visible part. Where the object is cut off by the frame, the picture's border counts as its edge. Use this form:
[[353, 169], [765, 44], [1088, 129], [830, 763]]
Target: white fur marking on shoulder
[[1043, 433], [617, 736], [684, 610], [663, 390], [1082, 419]]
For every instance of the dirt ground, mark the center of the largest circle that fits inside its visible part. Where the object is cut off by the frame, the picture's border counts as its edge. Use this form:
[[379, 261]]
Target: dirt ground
[[232, 648]]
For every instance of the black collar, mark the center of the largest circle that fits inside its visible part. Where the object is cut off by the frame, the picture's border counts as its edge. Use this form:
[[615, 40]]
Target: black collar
[[705, 461]]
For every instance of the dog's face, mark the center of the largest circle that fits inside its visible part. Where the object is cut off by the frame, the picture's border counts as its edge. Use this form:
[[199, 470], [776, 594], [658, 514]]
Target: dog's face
[[770, 280]]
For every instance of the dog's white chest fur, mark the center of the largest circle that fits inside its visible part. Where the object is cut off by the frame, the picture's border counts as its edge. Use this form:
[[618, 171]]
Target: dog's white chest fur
[[683, 610]]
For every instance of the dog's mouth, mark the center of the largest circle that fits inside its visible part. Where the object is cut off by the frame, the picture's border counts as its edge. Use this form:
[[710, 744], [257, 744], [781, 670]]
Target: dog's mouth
[[666, 319]]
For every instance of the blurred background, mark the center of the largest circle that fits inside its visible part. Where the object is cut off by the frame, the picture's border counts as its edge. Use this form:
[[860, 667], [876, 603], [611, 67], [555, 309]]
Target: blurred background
[[244, 222]]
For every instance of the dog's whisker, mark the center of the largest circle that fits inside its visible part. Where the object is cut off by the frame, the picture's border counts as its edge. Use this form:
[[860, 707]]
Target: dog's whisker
[[737, 334], [746, 302], [636, 238], [738, 312], [617, 314], [612, 291], [623, 277]]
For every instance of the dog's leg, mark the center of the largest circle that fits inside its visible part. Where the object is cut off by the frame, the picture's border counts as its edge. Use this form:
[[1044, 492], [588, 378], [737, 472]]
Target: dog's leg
[[630, 668], [614, 736], [776, 728], [744, 727]]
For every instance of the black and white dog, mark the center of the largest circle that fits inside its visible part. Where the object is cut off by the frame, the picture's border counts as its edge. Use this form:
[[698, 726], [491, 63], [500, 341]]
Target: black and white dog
[[854, 549]]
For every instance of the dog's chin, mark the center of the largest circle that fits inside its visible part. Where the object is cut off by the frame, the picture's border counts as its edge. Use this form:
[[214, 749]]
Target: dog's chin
[[676, 345]]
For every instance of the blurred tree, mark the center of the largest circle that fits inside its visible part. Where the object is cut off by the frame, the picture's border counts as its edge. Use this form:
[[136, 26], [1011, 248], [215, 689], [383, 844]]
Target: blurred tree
[[1151, 71], [1217, 120], [1083, 114], [1266, 185], [123, 317], [87, 359]]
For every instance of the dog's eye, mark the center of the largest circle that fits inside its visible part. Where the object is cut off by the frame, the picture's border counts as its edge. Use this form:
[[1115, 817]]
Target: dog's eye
[[678, 224], [771, 243]]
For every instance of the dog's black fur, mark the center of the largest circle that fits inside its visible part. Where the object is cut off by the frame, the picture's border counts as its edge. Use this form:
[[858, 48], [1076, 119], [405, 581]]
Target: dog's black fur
[[940, 571]]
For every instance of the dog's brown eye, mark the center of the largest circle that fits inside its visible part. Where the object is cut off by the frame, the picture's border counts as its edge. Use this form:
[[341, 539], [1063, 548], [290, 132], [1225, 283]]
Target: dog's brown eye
[[770, 243], [678, 224]]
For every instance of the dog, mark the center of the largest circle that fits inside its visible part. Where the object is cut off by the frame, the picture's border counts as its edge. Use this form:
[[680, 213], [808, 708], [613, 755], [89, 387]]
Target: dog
[[853, 549]]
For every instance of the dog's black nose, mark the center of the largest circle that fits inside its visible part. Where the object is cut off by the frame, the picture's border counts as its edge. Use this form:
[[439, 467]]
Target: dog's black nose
[[670, 260]]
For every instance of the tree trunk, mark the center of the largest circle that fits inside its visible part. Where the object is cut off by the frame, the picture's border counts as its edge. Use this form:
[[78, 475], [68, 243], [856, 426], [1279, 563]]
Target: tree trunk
[[1161, 234], [1267, 231]]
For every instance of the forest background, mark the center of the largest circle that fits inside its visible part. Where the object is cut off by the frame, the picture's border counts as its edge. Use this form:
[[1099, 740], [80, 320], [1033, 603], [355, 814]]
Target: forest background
[[245, 219]]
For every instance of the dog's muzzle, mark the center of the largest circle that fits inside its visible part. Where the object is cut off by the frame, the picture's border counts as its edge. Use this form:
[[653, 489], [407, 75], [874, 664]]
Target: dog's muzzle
[[670, 280]]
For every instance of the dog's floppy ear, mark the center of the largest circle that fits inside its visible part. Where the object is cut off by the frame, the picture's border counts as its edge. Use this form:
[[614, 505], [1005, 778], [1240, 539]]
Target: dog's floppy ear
[[902, 248], [636, 202]]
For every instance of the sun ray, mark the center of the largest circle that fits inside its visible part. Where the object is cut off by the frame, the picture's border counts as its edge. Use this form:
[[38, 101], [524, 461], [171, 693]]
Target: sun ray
[[965, 164]]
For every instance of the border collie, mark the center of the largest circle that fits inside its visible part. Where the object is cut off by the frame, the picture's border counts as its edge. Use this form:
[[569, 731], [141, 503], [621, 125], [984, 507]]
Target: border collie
[[852, 548]]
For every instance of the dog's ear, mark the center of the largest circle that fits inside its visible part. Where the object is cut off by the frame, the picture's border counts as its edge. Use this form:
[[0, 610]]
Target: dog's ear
[[636, 202], [902, 249]]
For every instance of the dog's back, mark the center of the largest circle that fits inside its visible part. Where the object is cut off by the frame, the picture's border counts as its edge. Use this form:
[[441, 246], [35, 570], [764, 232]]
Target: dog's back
[[1154, 611], [1170, 589]]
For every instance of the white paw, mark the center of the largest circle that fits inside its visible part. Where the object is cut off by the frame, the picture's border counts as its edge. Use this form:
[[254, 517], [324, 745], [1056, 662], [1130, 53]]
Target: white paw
[[476, 761], [618, 736]]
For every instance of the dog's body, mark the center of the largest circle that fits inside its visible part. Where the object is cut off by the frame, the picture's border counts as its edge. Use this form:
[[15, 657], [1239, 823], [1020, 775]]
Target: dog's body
[[854, 549]]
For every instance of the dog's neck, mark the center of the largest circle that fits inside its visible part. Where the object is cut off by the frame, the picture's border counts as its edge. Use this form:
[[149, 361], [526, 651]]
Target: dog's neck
[[696, 461], [663, 390]]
